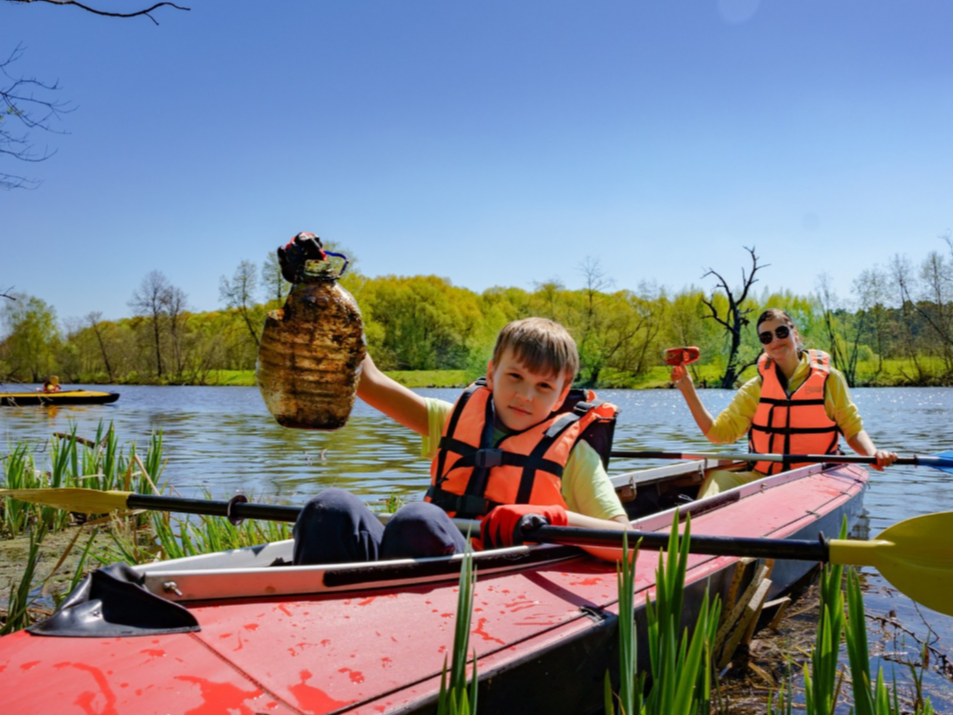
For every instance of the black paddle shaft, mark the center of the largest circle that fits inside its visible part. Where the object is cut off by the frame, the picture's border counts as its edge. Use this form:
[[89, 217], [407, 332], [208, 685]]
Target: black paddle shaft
[[793, 549], [794, 458], [235, 510]]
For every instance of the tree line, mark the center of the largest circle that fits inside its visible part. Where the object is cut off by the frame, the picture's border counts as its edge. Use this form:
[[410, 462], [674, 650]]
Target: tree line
[[902, 312]]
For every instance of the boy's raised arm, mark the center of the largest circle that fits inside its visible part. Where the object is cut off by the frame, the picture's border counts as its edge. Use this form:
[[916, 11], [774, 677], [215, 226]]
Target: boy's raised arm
[[393, 399]]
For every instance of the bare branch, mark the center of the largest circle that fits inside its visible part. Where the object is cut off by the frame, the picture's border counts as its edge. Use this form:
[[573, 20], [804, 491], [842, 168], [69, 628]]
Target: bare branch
[[8, 292], [95, 11], [22, 99], [736, 317]]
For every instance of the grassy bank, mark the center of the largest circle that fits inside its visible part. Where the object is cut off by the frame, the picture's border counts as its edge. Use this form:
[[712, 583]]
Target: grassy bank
[[889, 373], [408, 378]]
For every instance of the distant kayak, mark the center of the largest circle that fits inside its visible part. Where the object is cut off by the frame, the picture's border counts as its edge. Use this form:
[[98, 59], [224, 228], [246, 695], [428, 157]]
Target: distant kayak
[[64, 397]]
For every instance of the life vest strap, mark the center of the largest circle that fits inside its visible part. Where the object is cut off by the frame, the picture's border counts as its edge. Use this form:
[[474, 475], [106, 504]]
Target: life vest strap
[[487, 458], [788, 403], [794, 430], [465, 506]]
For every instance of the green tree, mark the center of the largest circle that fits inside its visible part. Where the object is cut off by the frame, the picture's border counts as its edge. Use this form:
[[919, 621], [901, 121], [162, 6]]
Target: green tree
[[32, 338]]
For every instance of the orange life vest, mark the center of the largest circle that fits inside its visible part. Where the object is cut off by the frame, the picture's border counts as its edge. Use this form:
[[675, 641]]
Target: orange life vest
[[795, 423], [470, 475]]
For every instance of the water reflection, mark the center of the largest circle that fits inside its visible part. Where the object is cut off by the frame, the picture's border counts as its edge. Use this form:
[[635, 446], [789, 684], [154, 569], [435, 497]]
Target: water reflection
[[223, 439]]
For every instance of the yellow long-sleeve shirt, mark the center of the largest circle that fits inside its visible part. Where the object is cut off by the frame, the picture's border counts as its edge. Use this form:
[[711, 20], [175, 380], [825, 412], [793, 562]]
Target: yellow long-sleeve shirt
[[735, 420]]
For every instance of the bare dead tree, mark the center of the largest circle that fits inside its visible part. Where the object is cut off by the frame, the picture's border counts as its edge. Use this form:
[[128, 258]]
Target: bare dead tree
[[27, 100], [239, 293], [94, 321], [176, 305], [735, 318], [150, 300], [843, 332]]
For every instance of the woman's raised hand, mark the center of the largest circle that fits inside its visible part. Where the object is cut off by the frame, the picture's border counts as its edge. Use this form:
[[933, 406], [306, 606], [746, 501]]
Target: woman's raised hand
[[681, 377]]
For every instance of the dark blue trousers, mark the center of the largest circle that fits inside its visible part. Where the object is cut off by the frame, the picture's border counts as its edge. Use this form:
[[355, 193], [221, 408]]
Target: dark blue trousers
[[336, 527]]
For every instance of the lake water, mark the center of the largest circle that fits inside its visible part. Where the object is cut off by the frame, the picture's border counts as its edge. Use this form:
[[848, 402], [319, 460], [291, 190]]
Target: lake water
[[222, 439]]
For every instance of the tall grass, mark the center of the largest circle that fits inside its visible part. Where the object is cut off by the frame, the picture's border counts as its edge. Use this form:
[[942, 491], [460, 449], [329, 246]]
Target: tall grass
[[455, 697], [825, 683], [680, 664], [74, 461], [173, 537]]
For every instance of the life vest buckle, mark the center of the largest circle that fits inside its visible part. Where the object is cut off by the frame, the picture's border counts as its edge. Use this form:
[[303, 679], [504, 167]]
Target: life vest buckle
[[488, 458], [581, 408]]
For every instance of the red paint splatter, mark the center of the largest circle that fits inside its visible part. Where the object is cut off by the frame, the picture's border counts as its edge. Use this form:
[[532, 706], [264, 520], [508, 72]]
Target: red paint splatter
[[586, 581], [154, 652], [220, 697], [480, 631], [367, 601], [284, 609], [29, 666], [386, 662], [84, 700], [251, 626], [313, 700], [355, 675]]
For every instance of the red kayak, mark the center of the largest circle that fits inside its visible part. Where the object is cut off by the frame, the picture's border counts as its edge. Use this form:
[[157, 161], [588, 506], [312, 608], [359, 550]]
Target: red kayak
[[372, 638]]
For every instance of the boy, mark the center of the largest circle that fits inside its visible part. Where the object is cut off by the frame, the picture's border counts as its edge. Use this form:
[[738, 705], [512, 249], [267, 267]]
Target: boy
[[500, 453]]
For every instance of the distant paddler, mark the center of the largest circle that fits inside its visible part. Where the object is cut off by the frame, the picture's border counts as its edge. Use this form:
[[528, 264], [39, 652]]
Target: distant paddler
[[51, 384], [309, 359], [797, 404]]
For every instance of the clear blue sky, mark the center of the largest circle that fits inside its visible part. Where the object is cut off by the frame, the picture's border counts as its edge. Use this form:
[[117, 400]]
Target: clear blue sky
[[492, 143]]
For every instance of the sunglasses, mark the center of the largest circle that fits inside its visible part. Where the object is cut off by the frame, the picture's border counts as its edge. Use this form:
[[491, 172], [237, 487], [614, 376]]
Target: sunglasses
[[782, 331]]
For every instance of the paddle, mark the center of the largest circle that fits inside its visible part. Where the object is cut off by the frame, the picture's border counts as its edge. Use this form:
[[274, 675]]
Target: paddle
[[95, 501], [913, 555], [942, 461]]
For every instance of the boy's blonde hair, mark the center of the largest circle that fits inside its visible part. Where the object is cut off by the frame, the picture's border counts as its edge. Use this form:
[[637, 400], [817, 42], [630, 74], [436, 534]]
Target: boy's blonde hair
[[541, 345]]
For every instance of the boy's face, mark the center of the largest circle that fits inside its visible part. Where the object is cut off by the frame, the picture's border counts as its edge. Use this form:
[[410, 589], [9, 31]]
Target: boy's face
[[523, 398]]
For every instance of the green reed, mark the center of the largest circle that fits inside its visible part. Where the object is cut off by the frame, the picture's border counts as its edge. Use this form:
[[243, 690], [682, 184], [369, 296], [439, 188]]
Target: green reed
[[20, 599], [172, 537], [680, 666], [74, 461], [455, 697], [826, 678]]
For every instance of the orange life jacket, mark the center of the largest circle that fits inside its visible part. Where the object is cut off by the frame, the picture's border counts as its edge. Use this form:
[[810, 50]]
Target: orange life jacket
[[470, 475], [795, 423]]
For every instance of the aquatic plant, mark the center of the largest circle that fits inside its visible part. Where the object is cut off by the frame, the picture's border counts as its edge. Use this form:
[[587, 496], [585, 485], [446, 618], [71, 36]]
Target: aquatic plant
[[680, 672], [455, 697], [826, 678]]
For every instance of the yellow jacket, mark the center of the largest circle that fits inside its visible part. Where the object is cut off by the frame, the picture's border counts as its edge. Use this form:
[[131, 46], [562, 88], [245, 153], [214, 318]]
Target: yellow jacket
[[735, 420]]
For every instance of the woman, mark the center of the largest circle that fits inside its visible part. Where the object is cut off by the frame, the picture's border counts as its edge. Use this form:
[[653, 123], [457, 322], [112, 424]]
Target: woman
[[798, 404]]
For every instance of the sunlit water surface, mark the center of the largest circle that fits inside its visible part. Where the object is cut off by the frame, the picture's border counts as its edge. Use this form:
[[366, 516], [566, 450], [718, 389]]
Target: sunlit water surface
[[223, 440]]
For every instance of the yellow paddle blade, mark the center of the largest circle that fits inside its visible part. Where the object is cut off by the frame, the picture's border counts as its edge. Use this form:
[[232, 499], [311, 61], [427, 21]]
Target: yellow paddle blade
[[83, 501], [915, 556]]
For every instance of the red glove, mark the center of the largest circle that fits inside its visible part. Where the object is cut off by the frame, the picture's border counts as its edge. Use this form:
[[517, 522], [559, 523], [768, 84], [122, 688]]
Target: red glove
[[503, 525]]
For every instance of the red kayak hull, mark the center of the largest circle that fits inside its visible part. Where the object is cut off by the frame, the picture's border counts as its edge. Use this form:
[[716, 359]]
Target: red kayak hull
[[544, 635]]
